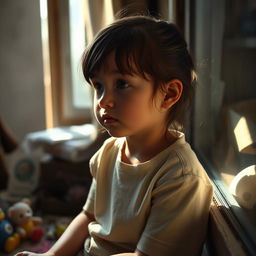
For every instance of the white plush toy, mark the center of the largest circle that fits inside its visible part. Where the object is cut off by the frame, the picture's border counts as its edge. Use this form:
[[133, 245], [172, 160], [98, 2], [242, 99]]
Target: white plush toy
[[26, 224]]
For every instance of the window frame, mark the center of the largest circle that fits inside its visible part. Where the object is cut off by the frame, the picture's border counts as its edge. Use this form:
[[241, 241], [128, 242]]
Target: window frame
[[63, 112], [237, 224], [198, 16]]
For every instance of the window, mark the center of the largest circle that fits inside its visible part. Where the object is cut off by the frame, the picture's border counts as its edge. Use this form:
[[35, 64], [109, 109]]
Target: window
[[223, 42], [68, 97], [67, 26], [81, 94]]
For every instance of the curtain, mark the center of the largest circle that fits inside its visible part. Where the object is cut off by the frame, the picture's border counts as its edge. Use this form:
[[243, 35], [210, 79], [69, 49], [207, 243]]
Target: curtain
[[100, 13]]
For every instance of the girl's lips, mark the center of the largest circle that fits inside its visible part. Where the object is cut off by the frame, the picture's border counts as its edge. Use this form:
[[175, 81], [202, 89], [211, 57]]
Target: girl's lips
[[107, 119]]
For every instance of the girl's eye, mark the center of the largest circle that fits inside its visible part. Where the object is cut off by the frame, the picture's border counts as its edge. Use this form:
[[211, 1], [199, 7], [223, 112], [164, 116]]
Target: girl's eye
[[97, 86], [121, 84]]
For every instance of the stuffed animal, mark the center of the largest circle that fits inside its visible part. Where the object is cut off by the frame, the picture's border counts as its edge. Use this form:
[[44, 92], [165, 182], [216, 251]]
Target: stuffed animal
[[26, 224], [56, 230], [8, 239]]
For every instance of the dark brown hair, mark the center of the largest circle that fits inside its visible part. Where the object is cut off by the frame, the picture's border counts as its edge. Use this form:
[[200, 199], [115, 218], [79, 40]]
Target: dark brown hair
[[144, 45]]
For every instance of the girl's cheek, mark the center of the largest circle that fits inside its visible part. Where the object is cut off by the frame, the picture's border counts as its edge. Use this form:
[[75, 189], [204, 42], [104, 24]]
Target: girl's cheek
[[132, 111], [96, 110]]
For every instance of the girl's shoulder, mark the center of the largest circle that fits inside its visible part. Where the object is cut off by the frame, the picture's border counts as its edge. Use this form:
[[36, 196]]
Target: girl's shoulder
[[182, 161], [110, 146], [113, 143]]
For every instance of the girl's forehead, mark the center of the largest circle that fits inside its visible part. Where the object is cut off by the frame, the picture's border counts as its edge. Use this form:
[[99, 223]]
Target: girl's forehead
[[109, 64]]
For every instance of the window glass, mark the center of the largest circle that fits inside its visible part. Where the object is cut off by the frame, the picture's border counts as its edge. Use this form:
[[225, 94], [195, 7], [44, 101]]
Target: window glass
[[225, 105], [64, 38], [81, 91]]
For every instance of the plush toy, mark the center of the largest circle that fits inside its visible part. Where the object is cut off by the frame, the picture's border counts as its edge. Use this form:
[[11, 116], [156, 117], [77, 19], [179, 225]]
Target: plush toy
[[8, 239], [26, 224], [56, 230]]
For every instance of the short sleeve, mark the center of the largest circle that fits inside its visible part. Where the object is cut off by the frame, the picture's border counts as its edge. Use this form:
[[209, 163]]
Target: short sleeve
[[178, 219], [89, 204]]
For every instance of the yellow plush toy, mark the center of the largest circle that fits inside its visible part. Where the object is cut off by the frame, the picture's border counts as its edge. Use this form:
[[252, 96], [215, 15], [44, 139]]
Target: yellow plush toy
[[26, 224]]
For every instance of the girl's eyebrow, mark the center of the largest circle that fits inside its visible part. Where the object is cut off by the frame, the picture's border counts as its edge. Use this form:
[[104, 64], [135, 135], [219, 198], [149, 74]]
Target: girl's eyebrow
[[112, 72], [115, 71]]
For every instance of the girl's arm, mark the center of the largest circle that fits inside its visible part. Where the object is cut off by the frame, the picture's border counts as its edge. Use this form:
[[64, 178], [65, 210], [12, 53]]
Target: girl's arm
[[136, 253], [74, 236], [71, 240]]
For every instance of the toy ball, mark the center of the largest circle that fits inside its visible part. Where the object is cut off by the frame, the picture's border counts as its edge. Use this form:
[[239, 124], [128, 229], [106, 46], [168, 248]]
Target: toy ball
[[60, 230]]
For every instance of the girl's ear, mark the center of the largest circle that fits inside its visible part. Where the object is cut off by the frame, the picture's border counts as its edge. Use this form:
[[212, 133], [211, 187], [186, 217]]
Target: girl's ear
[[172, 91]]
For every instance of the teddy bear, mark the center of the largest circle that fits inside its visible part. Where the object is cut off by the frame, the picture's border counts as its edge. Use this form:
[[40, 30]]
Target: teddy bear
[[9, 240], [27, 225]]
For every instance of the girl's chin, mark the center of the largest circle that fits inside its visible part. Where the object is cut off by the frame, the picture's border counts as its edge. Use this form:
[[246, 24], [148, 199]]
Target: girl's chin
[[115, 132]]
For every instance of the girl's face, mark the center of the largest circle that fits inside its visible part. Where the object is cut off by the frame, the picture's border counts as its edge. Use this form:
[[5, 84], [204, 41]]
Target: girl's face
[[123, 104]]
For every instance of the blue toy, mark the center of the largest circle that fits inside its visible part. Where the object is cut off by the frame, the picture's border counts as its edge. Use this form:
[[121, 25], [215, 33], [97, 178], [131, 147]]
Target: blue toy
[[9, 240]]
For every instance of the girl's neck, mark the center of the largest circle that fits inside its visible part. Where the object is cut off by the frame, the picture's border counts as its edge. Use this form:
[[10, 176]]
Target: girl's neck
[[141, 148]]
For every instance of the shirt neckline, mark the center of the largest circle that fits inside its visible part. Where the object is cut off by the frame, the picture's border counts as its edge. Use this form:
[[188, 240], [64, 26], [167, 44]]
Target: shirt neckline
[[162, 154]]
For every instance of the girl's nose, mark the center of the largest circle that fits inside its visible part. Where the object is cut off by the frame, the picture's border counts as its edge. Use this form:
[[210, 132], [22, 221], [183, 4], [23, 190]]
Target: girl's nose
[[106, 100]]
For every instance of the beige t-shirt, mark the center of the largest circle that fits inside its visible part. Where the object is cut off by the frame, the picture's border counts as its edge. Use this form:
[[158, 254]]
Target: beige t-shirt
[[160, 207]]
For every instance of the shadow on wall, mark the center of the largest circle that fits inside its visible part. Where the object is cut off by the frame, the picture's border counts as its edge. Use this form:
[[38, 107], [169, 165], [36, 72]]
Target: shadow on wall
[[8, 144]]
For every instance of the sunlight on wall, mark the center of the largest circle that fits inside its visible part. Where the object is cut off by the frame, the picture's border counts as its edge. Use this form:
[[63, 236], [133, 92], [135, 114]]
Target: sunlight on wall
[[243, 134]]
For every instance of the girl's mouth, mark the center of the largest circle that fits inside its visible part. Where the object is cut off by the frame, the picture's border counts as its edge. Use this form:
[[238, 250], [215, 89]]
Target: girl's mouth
[[107, 119]]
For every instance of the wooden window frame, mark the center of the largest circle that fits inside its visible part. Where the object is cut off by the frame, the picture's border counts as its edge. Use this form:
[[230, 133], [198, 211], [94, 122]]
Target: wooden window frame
[[57, 27]]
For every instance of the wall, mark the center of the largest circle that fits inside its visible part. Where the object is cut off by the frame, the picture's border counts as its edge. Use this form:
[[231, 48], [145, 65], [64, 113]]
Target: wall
[[21, 67]]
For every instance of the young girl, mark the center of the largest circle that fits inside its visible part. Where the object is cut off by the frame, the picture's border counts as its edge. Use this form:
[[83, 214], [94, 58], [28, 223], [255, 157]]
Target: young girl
[[149, 194]]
